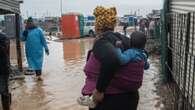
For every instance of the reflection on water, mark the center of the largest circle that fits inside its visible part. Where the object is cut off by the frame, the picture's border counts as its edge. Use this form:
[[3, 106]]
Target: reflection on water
[[72, 49], [75, 49], [63, 79]]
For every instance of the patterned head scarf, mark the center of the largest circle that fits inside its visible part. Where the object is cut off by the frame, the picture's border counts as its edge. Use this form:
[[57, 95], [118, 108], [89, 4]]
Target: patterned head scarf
[[105, 18]]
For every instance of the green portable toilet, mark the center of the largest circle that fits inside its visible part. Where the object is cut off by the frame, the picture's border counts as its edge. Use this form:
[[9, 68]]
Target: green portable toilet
[[81, 21]]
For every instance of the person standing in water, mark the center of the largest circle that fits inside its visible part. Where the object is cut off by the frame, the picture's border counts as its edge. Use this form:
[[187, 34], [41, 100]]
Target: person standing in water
[[35, 45], [112, 80], [4, 72]]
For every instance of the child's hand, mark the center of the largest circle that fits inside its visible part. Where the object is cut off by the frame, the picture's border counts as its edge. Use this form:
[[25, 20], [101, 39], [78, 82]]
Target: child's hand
[[145, 53], [47, 52], [119, 44], [97, 96]]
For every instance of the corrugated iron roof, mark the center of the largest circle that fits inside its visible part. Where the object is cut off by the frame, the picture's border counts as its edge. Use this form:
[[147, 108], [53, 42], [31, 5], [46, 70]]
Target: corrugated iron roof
[[182, 6], [9, 6]]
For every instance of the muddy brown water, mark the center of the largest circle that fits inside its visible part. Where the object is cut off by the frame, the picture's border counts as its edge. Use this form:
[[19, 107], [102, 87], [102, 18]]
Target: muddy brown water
[[63, 79]]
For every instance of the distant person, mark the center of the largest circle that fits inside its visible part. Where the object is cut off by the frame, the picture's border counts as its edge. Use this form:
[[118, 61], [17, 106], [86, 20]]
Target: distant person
[[4, 72], [125, 28], [142, 25], [35, 45], [50, 35], [152, 28], [147, 27]]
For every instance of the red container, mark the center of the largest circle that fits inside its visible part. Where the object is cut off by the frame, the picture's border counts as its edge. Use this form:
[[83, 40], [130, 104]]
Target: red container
[[70, 26]]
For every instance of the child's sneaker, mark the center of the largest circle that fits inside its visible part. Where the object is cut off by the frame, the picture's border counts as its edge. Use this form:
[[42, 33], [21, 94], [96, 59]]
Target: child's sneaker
[[86, 101]]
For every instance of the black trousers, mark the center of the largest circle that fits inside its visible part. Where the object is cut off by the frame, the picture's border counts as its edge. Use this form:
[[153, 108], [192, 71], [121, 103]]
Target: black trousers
[[128, 101], [6, 101], [4, 72], [38, 72]]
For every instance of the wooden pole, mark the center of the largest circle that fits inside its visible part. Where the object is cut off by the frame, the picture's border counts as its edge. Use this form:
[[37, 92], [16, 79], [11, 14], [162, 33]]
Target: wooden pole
[[18, 46]]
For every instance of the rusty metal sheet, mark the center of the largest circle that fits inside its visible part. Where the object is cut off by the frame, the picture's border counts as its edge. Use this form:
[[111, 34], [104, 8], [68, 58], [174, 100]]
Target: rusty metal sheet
[[9, 6]]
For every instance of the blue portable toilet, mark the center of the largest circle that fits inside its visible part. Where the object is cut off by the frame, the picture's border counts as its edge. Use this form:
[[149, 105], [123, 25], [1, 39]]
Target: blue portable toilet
[[91, 18], [132, 20]]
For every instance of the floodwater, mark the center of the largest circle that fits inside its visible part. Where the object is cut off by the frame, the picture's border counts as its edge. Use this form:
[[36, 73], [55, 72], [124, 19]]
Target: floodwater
[[63, 79]]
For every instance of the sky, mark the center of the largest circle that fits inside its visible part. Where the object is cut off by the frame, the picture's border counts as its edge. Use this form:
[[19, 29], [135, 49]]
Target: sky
[[43, 8]]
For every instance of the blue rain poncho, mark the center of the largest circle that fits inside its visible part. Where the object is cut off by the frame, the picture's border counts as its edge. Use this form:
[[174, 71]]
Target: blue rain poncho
[[35, 44]]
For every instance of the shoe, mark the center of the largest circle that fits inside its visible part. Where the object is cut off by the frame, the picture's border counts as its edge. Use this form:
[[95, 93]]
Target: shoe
[[39, 78], [86, 101]]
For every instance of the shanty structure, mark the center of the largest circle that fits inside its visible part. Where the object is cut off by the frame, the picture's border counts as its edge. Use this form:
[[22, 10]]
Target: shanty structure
[[178, 55], [13, 7]]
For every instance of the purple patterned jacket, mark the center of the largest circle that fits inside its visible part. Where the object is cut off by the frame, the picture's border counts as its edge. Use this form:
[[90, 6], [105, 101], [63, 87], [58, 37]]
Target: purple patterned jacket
[[128, 78]]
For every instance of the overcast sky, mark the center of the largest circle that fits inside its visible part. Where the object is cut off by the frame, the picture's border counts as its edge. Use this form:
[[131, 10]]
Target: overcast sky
[[41, 8]]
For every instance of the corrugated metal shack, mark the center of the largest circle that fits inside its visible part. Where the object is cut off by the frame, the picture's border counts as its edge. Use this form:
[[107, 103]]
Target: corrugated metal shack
[[13, 7], [9, 6], [178, 55]]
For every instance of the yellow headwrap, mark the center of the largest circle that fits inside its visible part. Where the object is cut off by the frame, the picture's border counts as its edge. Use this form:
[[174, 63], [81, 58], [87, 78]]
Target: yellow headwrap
[[105, 18]]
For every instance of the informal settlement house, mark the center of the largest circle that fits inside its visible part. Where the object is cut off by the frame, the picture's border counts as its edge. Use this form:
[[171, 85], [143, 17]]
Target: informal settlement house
[[13, 7], [178, 55]]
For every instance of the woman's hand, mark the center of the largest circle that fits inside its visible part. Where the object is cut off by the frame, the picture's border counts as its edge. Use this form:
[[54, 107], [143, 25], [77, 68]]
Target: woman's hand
[[97, 96], [47, 51], [119, 44], [25, 33]]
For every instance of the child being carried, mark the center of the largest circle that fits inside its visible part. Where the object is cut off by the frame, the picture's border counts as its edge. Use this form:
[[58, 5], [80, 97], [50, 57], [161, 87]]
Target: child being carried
[[134, 54]]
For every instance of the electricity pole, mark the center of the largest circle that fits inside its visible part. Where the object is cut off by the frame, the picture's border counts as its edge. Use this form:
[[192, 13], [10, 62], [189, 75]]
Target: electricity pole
[[61, 7]]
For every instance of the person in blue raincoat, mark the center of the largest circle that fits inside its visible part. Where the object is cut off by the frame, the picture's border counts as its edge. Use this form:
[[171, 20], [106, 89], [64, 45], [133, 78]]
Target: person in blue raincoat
[[35, 45]]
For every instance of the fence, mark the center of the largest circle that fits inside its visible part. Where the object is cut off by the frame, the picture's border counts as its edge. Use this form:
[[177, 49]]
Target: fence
[[181, 58]]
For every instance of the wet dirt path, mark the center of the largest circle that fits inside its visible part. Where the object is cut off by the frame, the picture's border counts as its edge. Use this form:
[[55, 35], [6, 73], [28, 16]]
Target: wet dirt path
[[63, 79]]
